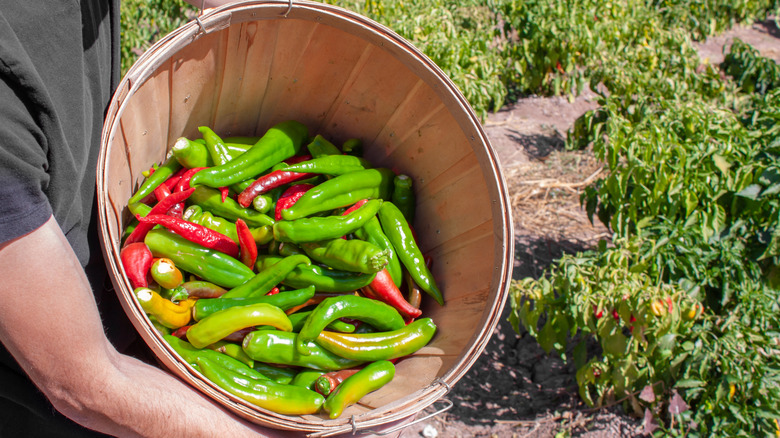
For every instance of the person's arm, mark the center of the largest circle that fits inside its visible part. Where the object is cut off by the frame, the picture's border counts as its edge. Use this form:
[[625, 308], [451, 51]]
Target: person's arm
[[49, 321]]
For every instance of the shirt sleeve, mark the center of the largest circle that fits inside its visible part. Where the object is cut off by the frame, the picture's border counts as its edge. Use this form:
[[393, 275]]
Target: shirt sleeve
[[23, 157]]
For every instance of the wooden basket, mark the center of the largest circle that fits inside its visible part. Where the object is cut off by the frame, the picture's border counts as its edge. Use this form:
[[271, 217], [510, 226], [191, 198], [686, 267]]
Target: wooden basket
[[241, 68]]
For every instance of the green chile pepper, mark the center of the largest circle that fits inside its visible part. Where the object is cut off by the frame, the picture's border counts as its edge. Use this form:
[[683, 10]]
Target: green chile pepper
[[191, 154], [163, 172], [341, 191], [280, 142], [210, 199], [383, 345], [195, 213], [217, 149], [299, 318], [320, 146], [333, 165], [348, 255], [233, 350], [306, 378], [283, 375], [283, 300], [267, 394], [212, 266], [372, 232], [216, 326], [278, 347], [323, 279], [380, 315], [397, 229], [372, 377], [403, 196], [190, 355], [312, 229], [267, 278]]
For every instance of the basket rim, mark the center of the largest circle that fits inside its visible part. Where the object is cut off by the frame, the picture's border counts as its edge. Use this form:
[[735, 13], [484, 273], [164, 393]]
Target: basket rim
[[216, 20]]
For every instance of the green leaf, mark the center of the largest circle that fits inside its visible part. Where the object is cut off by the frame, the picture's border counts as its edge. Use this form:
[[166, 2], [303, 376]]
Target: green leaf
[[751, 192], [690, 383], [721, 163]]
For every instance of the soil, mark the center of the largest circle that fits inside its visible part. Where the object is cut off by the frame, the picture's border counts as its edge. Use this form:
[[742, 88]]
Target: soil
[[515, 389]]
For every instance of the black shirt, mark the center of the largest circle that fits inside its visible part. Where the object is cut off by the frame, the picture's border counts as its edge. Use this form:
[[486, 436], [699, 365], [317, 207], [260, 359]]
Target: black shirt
[[59, 64]]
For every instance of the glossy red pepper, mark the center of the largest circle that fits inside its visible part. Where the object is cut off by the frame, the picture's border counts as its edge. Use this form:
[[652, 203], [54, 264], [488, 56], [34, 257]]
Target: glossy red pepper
[[383, 288], [193, 232], [136, 259], [289, 197], [246, 243], [160, 208], [272, 180], [184, 181]]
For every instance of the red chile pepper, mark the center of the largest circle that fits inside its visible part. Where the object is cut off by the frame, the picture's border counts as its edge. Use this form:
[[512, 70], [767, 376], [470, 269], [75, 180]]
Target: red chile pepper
[[246, 243], [328, 382], [184, 181], [160, 208], [136, 261], [161, 192], [277, 178], [289, 197], [194, 233], [224, 192], [383, 288]]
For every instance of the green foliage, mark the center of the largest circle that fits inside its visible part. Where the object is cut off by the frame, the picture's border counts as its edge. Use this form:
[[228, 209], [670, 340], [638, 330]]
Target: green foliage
[[752, 72], [144, 22], [693, 199], [457, 35]]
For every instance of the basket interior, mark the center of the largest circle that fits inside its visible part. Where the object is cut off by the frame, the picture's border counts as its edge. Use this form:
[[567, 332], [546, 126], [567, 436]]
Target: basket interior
[[344, 77]]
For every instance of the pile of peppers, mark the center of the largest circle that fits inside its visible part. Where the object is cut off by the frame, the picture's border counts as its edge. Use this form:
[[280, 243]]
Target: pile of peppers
[[282, 268]]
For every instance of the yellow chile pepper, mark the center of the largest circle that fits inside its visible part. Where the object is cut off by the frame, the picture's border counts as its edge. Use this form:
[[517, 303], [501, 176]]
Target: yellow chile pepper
[[166, 312], [166, 274], [217, 326]]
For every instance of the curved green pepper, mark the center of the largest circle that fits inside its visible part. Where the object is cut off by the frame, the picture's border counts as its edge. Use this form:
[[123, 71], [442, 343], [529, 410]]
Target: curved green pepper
[[280, 142], [323, 279], [372, 232], [380, 315], [299, 318], [341, 191], [372, 377], [163, 172], [283, 300], [379, 345], [312, 229], [333, 165], [274, 346], [267, 278], [267, 394], [190, 355], [210, 199], [212, 266], [216, 326], [348, 255], [397, 229], [218, 151]]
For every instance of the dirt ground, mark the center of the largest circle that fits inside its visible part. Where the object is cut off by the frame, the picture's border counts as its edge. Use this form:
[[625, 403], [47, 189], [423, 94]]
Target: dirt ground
[[515, 389]]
